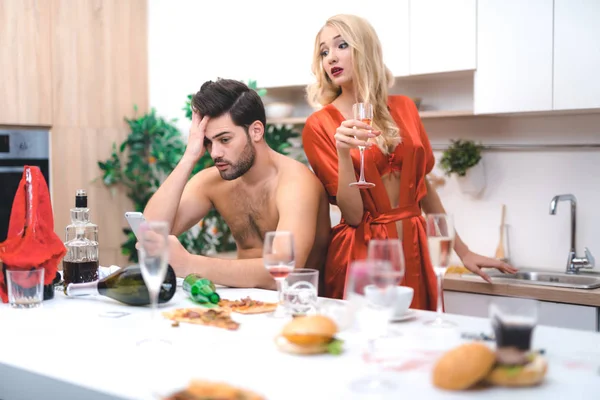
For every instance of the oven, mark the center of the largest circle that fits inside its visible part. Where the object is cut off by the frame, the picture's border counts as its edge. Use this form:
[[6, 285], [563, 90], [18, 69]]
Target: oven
[[19, 147]]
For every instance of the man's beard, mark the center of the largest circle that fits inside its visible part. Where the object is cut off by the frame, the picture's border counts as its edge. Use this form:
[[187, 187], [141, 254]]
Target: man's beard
[[245, 162]]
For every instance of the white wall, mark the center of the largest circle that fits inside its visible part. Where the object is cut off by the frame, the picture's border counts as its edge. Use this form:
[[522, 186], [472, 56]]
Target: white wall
[[526, 181]]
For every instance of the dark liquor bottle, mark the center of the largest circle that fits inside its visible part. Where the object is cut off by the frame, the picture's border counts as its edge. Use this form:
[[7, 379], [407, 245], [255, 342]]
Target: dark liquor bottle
[[126, 286]]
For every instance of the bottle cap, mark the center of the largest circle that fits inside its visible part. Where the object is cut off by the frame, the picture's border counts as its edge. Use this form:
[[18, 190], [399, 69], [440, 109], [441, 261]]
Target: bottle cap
[[81, 199]]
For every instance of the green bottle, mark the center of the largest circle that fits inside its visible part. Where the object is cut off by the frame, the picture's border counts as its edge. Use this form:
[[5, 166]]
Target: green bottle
[[200, 289]]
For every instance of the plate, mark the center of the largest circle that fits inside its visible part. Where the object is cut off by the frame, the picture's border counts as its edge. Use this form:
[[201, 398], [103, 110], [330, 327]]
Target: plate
[[410, 314]]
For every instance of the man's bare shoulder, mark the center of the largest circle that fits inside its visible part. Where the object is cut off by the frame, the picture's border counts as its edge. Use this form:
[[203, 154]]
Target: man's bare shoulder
[[293, 172], [208, 177]]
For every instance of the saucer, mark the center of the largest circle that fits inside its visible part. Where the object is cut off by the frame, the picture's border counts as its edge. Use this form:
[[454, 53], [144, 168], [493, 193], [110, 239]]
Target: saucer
[[408, 315]]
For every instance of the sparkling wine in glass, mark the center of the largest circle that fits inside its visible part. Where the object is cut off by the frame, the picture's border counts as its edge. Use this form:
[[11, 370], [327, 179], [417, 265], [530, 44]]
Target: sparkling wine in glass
[[371, 293], [440, 240], [153, 255], [362, 112], [279, 260]]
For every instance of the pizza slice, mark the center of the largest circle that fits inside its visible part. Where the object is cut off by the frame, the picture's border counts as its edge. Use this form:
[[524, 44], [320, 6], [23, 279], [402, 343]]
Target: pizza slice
[[204, 390], [219, 318], [247, 306]]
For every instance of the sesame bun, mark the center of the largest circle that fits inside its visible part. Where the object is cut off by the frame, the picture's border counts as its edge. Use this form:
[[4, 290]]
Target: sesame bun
[[530, 374], [307, 335], [464, 366]]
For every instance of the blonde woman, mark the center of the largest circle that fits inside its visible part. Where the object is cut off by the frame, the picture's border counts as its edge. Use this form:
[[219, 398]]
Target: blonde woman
[[348, 66]]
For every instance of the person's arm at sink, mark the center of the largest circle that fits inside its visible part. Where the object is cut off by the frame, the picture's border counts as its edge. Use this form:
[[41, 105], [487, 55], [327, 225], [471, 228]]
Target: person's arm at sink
[[432, 204]]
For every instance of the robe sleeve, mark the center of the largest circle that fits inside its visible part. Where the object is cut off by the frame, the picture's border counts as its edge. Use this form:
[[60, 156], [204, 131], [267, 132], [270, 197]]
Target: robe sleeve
[[320, 150]]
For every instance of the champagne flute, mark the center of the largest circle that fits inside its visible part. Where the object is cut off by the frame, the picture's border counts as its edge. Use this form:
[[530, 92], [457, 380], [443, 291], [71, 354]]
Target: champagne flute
[[153, 254], [362, 112], [440, 239], [279, 260], [371, 293]]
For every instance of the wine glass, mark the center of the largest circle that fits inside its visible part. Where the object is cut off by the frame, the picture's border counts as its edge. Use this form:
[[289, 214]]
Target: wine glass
[[371, 292], [153, 254], [389, 250], [362, 112], [279, 260], [440, 239]]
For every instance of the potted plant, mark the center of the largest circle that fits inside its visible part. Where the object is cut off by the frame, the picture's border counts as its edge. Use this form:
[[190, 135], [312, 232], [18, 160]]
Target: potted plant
[[463, 158]]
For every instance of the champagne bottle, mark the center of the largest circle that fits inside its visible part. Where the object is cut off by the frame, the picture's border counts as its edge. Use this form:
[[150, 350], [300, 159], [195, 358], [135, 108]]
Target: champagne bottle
[[200, 290], [127, 286]]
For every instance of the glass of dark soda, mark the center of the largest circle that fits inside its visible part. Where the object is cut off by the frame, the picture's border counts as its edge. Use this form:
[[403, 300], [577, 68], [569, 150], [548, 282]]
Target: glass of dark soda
[[513, 321]]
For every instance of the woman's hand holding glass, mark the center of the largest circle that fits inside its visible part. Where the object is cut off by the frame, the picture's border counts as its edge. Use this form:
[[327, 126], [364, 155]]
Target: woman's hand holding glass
[[352, 134]]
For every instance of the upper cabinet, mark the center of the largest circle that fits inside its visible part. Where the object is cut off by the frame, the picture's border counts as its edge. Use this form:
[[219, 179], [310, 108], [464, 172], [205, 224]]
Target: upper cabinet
[[26, 63], [442, 36], [514, 56], [576, 54]]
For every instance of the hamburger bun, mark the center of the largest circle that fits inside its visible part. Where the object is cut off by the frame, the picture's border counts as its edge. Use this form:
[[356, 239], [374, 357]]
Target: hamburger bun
[[307, 335], [530, 374], [464, 366]]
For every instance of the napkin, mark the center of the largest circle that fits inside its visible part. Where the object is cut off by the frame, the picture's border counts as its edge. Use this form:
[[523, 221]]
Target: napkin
[[31, 242]]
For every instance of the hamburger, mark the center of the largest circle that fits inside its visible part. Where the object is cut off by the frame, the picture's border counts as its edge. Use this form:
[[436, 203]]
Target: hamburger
[[313, 334], [463, 367], [515, 368], [472, 364]]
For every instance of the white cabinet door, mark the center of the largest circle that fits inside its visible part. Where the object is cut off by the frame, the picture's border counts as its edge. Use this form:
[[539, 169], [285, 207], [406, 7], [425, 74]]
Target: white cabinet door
[[390, 19], [514, 56], [576, 54], [442, 35], [561, 315]]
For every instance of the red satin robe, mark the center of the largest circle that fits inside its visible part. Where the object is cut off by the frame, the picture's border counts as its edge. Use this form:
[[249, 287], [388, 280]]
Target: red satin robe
[[413, 159]]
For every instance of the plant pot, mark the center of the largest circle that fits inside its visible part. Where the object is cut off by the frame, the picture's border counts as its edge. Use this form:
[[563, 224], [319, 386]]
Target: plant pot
[[473, 182]]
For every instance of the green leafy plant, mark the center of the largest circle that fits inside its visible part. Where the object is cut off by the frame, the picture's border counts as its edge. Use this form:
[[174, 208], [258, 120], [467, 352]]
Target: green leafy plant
[[150, 152], [460, 156]]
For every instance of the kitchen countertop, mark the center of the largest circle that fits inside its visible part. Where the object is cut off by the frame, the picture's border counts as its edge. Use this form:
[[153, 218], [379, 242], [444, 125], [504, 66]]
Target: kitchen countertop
[[471, 283], [69, 349]]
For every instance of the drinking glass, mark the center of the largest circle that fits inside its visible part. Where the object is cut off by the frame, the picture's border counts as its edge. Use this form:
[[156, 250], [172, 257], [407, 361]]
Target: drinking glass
[[440, 240], [300, 295], [362, 112], [279, 259], [153, 254], [371, 292], [513, 321], [25, 287]]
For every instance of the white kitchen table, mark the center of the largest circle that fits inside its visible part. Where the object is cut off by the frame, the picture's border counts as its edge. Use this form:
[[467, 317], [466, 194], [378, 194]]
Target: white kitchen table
[[71, 349]]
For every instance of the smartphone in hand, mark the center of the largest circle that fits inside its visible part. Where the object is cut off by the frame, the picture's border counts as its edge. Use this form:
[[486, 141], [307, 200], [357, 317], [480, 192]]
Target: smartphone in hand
[[135, 220]]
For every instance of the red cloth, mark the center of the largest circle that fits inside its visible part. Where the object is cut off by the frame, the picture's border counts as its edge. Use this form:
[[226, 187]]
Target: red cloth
[[413, 160], [31, 242]]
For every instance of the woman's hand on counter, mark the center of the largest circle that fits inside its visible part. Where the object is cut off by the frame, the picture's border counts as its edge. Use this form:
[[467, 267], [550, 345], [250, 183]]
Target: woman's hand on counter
[[475, 262]]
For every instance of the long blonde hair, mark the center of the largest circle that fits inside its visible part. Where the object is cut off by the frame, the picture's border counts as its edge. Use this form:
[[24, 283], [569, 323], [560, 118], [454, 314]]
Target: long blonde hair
[[372, 78]]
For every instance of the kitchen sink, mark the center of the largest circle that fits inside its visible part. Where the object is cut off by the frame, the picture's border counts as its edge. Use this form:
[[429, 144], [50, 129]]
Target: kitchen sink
[[545, 278]]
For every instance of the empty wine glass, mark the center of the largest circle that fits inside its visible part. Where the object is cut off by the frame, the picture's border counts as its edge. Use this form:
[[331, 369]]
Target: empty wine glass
[[389, 250], [153, 254], [440, 239], [371, 292], [279, 260], [362, 112]]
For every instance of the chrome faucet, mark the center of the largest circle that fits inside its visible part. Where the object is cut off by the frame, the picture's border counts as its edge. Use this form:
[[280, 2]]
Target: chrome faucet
[[574, 263]]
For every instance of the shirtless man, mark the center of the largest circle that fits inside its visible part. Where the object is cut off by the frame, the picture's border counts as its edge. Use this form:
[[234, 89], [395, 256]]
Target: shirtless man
[[254, 188]]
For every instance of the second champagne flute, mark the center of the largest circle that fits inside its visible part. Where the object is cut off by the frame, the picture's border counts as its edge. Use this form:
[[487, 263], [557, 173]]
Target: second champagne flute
[[440, 240], [364, 113], [279, 259], [153, 259]]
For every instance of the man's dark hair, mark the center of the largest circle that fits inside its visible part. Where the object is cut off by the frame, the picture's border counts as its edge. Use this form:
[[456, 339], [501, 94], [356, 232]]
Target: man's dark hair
[[243, 104]]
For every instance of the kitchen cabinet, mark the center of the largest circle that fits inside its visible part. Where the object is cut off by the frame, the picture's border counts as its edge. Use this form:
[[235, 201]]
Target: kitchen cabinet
[[514, 56], [25, 63], [442, 35], [561, 315], [576, 54], [289, 42]]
